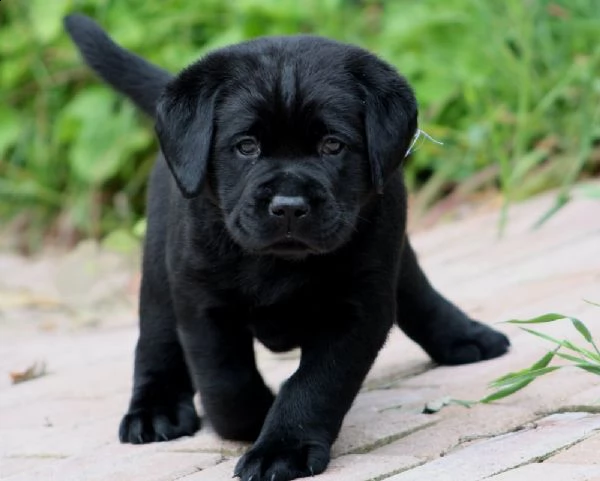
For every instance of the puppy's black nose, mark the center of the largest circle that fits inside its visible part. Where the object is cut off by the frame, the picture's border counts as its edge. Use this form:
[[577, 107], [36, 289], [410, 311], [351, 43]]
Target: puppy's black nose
[[289, 208]]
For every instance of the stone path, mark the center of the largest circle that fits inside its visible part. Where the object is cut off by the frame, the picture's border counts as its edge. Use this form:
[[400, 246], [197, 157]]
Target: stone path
[[77, 314]]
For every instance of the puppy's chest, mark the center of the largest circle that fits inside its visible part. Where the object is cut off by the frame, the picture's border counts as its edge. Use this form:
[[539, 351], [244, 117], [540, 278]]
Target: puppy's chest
[[263, 282], [281, 303], [281, 312], [276, 336], [281, 327]]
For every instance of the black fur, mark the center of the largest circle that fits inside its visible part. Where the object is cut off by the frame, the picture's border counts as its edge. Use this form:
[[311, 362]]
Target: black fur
[[271, 228]]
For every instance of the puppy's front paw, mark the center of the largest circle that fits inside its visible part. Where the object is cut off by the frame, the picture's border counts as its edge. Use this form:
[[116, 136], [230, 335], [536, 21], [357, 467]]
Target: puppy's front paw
[[282, 461], [159, 422], [477, 342]]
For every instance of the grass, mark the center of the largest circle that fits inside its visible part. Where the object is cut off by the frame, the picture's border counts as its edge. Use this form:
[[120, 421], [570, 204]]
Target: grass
[[510, 88], [583, 355]]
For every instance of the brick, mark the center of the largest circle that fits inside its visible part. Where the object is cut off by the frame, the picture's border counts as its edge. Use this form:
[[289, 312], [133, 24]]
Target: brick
[[550, 472], [221, 472], [380, 417], [123, 463], [12, 466], [206, 441], [486, 458], [347, 468], [364, 467], [457, 427], [585, 452]]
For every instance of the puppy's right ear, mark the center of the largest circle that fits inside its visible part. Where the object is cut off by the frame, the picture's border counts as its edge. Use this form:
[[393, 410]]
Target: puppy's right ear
[[184, 124]]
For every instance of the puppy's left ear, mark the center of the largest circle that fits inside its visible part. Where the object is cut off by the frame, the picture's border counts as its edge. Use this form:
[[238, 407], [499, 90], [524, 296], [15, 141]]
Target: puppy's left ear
[[184, 125], [390, 119]]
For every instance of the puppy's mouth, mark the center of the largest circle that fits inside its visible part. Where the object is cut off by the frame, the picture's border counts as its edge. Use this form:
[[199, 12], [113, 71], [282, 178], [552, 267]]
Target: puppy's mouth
[[290, 247]]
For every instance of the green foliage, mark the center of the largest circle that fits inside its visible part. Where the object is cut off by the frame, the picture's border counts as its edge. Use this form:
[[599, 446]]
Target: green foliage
[[576, 355], [510, 84]]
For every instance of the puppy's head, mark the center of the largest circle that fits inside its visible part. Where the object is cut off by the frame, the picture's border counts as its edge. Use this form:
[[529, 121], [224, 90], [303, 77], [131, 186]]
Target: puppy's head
[[293, 134]]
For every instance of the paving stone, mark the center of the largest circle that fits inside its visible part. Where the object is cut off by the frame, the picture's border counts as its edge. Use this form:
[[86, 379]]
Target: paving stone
[[550, 472], [460, 240], [347, 468], [221, 472], [366, 467], [380, 417], [400, 358], [12, 466], [457, 427], [586, 397], [527, 269], [483, 459], [585, 452], [57, 441], [59, 413], [376, 418], [123, 463], [71, 360], [206, 441]]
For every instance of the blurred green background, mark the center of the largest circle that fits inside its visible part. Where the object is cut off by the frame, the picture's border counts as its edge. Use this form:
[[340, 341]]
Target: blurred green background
[[511, 87]]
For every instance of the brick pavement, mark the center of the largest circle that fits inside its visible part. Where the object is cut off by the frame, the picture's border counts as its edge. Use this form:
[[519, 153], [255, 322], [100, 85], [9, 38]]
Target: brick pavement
[[63, 426]]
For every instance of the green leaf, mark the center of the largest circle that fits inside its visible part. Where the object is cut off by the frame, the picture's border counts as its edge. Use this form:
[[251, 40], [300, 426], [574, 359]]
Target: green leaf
[[544, 360], [46, 17], [10, 128], [12, 40], [560, 202], [103, 135], [544, 336], [139, 229], [527, 374], [594, 356], [513, 382], [590, 368], [121, 241], [592, 303], [569, 357], [541, 363], [538, 320], [502, 393], [582, 328], [15, 70], [564, 343]]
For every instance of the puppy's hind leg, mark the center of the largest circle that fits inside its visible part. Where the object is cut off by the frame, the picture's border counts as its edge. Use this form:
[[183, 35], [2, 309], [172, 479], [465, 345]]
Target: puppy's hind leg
[[446, 333], [161, 406]]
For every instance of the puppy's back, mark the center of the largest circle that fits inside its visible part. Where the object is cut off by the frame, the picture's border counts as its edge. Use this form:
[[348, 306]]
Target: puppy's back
[[126, 72]]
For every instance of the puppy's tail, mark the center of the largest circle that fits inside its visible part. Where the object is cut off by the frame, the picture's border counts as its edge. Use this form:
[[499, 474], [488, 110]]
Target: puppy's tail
[[127, 73]]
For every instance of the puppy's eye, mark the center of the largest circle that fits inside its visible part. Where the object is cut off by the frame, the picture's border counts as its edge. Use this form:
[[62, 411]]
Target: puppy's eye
[[331, 146], [248, 147]]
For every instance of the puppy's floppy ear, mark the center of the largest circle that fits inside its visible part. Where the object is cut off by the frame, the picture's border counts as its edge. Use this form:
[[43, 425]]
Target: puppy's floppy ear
[[184, 124], [390, 118]]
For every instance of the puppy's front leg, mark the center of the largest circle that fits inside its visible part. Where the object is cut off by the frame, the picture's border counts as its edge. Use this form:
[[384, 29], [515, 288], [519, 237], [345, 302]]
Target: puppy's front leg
[[220, 355], [310, 407]]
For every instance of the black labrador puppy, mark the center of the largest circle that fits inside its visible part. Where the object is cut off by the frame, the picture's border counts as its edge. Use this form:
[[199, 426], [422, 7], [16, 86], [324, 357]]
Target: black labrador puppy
[[276, 212]]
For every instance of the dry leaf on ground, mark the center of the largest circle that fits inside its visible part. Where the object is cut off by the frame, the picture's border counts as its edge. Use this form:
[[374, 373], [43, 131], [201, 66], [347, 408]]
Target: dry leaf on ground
[[37, 369]]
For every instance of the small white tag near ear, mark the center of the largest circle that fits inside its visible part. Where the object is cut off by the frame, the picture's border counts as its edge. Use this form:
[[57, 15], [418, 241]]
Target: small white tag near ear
[[416, 137]]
